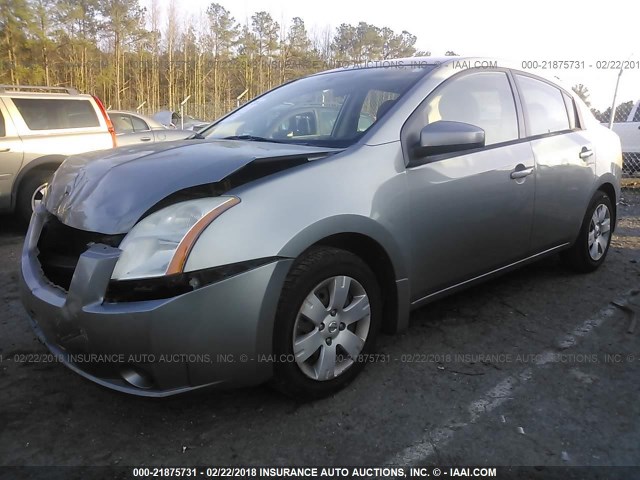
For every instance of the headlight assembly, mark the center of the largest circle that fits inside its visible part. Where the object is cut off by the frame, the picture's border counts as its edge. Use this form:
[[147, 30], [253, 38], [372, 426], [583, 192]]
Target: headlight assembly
[[160, 243]]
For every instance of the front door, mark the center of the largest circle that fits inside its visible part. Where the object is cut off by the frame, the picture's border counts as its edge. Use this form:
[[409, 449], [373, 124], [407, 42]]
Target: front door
[[471, 212]]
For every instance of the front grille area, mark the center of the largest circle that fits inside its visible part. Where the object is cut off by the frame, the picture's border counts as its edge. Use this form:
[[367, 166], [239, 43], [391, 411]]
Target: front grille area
[[60, 248]]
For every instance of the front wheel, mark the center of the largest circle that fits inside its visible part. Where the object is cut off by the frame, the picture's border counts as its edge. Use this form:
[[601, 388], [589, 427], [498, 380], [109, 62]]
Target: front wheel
[[592, 245], [327, 322]]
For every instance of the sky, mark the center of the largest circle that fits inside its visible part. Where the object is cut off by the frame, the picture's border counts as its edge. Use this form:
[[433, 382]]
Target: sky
[[545, 30]]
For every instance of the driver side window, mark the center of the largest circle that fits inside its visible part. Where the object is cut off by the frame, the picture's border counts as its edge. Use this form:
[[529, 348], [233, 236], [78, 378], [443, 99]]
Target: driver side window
[[483, 99]]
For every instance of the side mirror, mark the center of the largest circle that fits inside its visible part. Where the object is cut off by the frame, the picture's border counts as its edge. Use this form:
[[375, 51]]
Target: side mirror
[[447, 137]]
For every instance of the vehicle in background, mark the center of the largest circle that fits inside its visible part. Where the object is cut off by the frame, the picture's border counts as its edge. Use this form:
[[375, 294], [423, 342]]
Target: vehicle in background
[[132, 128], [629, 133], [173, 120], [39, 128]]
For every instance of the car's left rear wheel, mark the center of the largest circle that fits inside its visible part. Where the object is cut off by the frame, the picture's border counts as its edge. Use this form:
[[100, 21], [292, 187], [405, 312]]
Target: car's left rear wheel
[[327, 321], [590, 249]]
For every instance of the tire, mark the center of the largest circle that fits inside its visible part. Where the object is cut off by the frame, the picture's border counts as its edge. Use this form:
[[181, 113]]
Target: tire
[[32, 183], [591, 248], [307, 374]]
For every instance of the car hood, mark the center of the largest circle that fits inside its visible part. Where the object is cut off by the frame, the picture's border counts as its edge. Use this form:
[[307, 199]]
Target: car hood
[[108, 192]]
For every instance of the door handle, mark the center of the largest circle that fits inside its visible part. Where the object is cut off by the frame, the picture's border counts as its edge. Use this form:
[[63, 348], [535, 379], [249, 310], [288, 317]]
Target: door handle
[[145, 139], [521, 173], [585, 153], [2, 150]]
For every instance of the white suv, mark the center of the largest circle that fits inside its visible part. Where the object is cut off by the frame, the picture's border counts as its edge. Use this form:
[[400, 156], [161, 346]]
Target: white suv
[[39, 128]]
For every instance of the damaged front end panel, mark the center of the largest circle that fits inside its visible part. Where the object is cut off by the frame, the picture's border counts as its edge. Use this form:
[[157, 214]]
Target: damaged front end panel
[[97, 198], [111, 192]]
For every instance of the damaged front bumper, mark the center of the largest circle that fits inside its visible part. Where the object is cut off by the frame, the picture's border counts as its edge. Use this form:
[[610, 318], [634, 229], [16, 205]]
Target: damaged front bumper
[[214, 335]]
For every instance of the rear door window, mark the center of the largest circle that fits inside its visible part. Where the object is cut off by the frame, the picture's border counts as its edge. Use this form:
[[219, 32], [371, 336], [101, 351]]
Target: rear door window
[[54, 114], [139, 125], [545, 110], [3, 131], [636, 117]]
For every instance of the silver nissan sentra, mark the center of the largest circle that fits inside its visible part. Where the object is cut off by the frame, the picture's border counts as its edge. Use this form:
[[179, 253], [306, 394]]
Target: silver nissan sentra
[[279, 241]]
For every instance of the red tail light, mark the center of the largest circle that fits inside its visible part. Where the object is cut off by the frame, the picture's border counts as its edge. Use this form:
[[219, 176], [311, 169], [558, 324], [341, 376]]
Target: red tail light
[[112, 130]]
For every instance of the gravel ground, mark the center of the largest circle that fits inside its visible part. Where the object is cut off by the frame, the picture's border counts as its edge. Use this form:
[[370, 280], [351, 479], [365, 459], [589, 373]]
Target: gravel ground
[[534, 368]]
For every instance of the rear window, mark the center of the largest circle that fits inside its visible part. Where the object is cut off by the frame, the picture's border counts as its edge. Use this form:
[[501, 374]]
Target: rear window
[[50, 114]]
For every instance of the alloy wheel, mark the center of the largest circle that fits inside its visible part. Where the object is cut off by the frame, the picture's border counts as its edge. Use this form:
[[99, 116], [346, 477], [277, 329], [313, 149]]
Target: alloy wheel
[[331, 328], [599, 232]]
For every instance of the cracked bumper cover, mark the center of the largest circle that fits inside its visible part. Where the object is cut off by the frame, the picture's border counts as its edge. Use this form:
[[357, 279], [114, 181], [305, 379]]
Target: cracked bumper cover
[[214, 335]]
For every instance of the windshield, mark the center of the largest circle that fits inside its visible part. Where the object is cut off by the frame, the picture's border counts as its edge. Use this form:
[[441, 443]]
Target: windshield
[[330, 110]]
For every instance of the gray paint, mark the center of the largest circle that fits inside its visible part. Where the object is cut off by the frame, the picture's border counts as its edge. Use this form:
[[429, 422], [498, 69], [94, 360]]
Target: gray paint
[[80, 322], [443, 224]]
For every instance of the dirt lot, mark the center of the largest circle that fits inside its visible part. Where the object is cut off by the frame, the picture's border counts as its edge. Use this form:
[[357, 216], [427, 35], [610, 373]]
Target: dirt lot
[[534, 368]]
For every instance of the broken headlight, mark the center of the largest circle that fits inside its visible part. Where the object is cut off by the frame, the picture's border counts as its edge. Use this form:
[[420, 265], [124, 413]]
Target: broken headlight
[[160, 243]]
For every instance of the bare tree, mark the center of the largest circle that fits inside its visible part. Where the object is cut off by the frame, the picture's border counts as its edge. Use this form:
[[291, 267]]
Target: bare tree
[[132, 57], [582, 92]]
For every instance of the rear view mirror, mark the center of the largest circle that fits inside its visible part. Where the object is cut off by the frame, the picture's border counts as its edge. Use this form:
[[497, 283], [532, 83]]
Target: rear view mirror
[[447, 137]]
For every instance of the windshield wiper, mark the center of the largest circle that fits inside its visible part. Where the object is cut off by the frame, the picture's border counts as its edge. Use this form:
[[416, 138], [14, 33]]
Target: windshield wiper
[[196, 135], [253, 138]]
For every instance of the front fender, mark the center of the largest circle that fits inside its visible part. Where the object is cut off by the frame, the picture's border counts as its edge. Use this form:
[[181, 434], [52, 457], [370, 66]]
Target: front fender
[[362, 192], [346, 224], [609, 178]]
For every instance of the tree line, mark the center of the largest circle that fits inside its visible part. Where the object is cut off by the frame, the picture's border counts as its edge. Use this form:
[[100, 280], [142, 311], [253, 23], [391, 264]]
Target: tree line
[[149, 59]]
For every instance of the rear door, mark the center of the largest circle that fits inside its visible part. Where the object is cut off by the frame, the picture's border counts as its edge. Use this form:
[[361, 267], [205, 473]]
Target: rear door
[[11, 156], [565, 163], [469, 214]]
